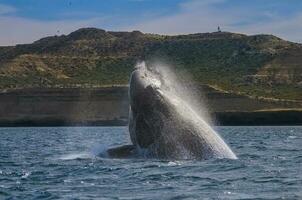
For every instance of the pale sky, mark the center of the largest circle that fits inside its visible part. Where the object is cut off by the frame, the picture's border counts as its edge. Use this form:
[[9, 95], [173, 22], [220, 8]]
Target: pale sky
[[24, 21]]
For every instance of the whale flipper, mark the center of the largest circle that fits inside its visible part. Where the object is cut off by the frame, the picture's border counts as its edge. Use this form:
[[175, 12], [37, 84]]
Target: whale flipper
[[125, 151]]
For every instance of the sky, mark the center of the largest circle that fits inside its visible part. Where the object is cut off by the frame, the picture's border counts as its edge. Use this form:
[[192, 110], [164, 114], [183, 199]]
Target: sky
[[24, 21]]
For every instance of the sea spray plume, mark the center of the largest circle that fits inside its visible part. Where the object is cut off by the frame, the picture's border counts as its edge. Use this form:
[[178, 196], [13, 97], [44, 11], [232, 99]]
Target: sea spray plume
[[163, 124], [181, 84]]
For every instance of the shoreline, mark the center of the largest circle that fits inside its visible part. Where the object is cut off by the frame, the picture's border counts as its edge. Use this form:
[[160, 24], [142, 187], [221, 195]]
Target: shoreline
[[257, 118], [109, 106]]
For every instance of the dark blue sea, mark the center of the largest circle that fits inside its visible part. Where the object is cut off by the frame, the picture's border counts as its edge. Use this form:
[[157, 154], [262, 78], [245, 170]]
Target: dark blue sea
[[62, 163]]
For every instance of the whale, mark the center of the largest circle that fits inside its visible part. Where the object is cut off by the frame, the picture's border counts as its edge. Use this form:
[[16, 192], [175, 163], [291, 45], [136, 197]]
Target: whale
[[163, 125]]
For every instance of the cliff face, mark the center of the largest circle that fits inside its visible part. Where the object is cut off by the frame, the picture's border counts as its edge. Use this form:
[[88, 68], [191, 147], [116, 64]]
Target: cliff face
[[26, 107], [261, 65], [109, 106]]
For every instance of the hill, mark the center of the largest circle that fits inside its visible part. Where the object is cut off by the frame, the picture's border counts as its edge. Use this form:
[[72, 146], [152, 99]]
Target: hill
[[259, 66]]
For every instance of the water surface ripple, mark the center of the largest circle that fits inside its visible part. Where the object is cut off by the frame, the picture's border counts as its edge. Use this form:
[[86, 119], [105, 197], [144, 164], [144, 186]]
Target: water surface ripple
[[62, 163]]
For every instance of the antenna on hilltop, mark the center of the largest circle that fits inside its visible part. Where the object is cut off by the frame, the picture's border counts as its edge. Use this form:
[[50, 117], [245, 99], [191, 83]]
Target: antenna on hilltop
[[218, 29]]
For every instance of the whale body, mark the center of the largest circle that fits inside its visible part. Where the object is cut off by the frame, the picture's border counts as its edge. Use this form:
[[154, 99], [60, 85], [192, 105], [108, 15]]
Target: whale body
[[163, 125]]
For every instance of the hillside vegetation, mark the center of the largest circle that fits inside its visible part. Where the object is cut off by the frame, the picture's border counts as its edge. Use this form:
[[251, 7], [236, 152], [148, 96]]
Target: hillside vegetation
[[258, 66]]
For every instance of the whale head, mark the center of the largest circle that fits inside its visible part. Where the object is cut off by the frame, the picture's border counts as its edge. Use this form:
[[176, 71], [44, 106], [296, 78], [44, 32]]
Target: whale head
[[145, 96]]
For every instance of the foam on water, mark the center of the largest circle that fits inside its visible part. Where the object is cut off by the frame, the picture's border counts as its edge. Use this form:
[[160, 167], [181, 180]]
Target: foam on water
[[74, 156], [99, 150]]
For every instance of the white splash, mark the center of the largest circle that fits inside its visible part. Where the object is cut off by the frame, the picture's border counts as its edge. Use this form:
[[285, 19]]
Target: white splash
[[74, 156], [179, 93]]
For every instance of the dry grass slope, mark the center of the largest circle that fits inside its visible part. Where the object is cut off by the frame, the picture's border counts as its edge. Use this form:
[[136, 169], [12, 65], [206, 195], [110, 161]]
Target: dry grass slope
[[257, 66]]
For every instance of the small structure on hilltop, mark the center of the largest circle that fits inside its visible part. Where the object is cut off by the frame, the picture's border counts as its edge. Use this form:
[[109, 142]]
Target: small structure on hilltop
[[218, 29]]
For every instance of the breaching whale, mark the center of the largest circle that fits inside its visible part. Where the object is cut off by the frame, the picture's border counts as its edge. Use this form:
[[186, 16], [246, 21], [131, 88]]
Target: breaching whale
[[163, 125]]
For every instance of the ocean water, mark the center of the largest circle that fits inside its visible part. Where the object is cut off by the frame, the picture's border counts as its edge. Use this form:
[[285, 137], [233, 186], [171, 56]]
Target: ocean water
[[62, 163]]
